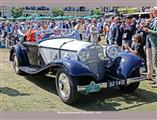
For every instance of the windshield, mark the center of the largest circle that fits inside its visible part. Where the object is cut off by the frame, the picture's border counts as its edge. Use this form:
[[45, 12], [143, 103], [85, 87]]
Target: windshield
[[57, 33]]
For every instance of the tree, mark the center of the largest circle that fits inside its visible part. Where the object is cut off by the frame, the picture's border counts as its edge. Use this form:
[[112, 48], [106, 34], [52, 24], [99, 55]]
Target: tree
[[133, 10], [96, 11], [57, 12], [16, 12], [127, 10]]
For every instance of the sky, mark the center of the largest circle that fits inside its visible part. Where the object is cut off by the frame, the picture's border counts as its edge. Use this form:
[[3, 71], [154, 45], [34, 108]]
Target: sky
[[76, 3]]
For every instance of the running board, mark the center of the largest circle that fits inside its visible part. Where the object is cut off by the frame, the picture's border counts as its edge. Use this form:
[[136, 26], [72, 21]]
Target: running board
[[32, 69]]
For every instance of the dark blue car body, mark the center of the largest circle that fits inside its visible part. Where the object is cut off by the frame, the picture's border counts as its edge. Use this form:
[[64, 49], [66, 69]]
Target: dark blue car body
[[120, 67]]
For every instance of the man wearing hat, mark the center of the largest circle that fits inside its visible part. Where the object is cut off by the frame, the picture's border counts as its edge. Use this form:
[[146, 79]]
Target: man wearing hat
[[129, 31]]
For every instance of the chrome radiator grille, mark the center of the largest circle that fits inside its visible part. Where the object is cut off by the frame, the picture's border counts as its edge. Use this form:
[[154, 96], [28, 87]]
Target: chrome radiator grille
[[94, 63]]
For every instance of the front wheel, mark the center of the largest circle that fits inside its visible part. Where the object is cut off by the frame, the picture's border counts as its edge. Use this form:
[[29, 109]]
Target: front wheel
[[66, 86], [133, 86]]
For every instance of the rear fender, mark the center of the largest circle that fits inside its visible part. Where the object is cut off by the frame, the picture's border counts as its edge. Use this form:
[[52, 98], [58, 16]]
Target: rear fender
[[20, 53]]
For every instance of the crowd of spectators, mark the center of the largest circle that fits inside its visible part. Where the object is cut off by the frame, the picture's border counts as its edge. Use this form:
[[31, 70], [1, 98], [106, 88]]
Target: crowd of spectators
[[138, 36]]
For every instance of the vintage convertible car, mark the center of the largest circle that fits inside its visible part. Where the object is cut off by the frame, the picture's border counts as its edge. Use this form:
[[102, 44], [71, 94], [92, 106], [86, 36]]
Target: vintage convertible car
[[78, 66]]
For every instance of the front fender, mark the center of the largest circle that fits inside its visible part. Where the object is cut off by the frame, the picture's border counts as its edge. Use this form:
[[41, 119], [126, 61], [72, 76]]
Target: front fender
[[75, 68], [129, 63]]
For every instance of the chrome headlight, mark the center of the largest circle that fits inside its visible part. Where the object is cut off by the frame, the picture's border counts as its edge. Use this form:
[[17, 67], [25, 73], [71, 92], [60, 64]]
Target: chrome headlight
[[83, 54], [69, 55], [112, 51]]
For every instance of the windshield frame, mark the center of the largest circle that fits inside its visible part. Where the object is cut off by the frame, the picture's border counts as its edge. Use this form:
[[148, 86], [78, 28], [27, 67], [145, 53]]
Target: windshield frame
[[70, 34]]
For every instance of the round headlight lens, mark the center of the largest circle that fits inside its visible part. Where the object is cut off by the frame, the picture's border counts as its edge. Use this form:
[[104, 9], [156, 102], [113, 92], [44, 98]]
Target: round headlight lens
[[83, 55], [112, 51]]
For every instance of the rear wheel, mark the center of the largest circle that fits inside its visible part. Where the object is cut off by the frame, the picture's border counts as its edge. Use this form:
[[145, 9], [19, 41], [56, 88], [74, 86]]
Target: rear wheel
[[133, 86], [16, 65], [66, 86]]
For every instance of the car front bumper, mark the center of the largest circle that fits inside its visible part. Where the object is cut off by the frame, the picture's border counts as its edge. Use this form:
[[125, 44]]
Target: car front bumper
[[99, 86]]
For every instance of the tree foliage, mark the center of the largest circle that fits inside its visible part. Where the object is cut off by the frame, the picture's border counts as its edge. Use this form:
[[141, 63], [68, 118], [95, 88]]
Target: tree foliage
[[96, 11], [57, 12], [127, 10], [16, 12]]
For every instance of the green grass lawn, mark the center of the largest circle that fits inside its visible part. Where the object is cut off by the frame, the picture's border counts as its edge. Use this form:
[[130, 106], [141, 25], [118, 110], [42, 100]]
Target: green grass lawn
[[38, 93]]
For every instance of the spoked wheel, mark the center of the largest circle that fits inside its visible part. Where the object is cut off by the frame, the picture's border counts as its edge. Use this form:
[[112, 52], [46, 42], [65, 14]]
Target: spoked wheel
[[16, 65], [66, 87]]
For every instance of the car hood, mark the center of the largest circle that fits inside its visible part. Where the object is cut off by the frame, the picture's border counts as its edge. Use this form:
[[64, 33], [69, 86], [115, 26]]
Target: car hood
[[64, 43]]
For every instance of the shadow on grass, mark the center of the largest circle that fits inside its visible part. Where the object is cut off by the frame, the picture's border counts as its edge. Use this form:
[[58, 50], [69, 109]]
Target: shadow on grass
[[45, 82], [111, 98], [106, 100], [12, 92], [140, 97]]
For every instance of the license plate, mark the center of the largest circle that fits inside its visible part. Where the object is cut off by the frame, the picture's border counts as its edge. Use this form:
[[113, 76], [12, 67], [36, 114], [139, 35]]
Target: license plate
[[92, 87], [115, 83]]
